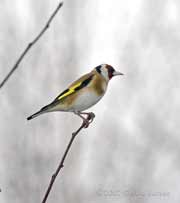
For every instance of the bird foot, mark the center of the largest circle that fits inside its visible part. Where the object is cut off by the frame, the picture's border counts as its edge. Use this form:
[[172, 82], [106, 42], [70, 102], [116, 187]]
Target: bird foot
[[86, 120], [89, 119]]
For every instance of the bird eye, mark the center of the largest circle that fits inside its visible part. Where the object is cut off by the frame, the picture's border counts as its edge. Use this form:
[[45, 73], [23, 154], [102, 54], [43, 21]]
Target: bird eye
[[110, 71], [98, 69]]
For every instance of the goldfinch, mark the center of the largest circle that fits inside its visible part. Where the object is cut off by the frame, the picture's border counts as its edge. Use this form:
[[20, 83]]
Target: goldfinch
[[82, 94]]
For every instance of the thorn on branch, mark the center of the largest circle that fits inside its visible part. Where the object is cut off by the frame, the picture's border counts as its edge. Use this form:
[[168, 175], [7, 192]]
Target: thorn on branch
[[30, 44]]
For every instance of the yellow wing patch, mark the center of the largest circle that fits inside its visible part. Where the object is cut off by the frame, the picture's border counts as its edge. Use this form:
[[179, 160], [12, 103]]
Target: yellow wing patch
[[69, 91], [76, 86]]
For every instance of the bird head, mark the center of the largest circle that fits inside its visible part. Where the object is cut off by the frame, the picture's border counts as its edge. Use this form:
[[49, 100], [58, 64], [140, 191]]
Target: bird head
[[107, 71]]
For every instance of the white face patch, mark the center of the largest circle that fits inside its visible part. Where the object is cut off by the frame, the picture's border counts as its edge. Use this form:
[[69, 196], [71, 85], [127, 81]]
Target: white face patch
[[104, 72]]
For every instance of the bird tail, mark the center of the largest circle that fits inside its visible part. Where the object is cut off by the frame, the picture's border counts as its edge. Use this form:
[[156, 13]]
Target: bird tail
[[43, 110], [35, 115]]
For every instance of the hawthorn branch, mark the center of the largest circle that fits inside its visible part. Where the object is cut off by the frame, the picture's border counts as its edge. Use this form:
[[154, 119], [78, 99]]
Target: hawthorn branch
[[61, 164], [47, 25]]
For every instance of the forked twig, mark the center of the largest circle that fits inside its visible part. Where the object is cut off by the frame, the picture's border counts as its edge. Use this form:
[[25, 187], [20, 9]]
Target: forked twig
[[30, 45], [61, 164]]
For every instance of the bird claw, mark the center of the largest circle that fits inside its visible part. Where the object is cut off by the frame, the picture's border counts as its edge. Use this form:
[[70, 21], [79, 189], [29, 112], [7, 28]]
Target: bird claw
[[91, 116], [86, 123], [89, 119]]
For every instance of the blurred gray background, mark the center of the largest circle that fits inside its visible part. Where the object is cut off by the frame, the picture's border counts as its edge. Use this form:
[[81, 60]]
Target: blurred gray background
[[131, 152]]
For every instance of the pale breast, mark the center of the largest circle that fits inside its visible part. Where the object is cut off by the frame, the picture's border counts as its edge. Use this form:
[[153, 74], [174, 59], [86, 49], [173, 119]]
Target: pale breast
[[85, 100]]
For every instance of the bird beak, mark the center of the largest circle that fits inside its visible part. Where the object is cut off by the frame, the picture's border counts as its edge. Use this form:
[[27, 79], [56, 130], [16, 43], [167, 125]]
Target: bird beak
[[117, 73]]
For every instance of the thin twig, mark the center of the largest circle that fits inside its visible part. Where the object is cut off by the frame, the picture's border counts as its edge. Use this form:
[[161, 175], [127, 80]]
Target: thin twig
[[61, 164], [30, 45]]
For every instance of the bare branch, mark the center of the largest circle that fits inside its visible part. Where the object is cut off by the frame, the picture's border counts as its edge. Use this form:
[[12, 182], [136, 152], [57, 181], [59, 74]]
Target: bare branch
[[61, 164], [30, 45]]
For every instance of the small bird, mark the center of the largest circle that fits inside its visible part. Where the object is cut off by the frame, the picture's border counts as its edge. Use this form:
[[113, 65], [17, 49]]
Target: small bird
[[82, 94]]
